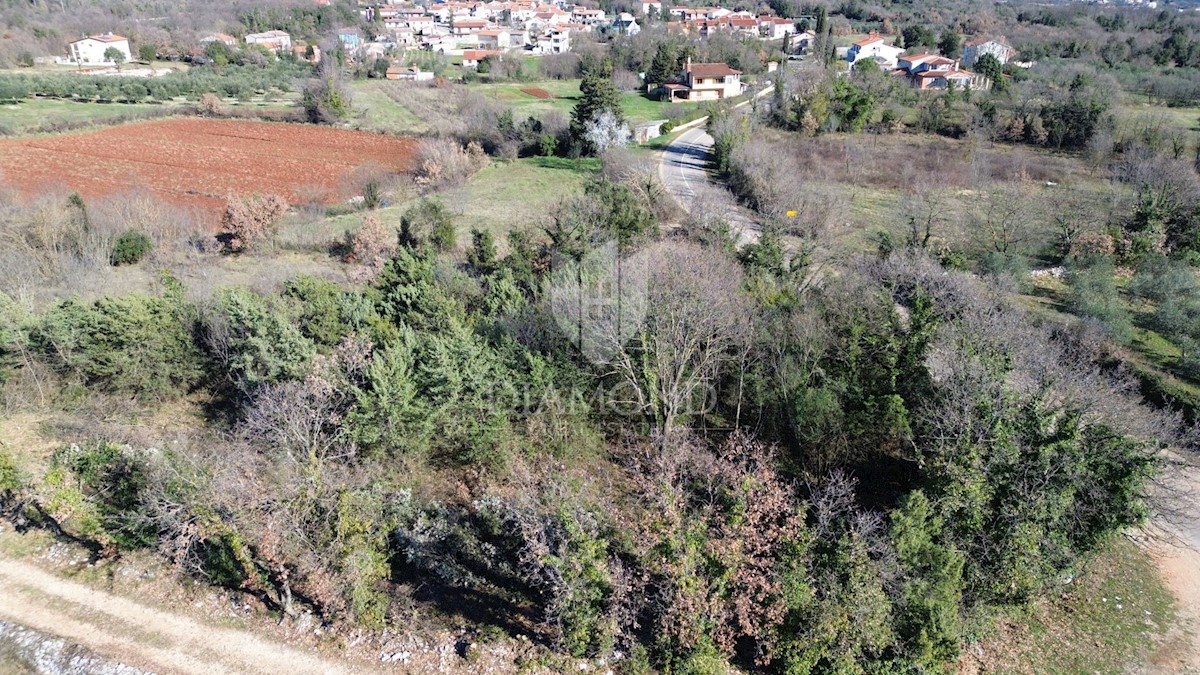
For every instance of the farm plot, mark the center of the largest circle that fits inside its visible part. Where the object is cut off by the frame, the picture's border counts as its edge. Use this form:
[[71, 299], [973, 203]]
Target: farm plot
[[200, 162]]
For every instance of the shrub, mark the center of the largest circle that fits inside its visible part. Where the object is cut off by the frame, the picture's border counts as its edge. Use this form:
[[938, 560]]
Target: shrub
[[373, 244], [130, 248], [136, 344], [251, 220]]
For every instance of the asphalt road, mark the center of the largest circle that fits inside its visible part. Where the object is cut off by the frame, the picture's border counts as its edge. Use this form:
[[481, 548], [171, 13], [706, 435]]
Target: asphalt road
[[686, 175]]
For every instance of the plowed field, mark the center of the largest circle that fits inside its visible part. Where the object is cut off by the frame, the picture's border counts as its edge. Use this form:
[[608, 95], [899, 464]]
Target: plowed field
[[200, 162]]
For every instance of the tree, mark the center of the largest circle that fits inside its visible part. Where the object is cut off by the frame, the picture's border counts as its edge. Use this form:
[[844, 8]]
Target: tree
[[147, 53], [248, 221], [114, 55], [326, 99], [665, 65], [597, 95], [606, 131], [989, 66], [696, 316], [950, 44]]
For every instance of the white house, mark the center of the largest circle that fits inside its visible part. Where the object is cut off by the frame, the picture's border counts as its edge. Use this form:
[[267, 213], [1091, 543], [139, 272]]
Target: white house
[[275, 40], [775, 27], [874, 47], [802, 43], [625, 24], [91, 48], [554, 41], [223, 38], [494, 38], [998, 48], [648, 5]]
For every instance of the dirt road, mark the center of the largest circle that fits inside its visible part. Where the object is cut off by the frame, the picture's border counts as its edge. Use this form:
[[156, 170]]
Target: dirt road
[[1173, 540], [139, 635]]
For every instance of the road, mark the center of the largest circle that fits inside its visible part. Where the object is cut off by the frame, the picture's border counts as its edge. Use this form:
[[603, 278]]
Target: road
[[139, 635], [686, 175]]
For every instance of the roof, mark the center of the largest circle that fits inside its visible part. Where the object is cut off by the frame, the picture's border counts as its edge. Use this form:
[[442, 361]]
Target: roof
[[711, 70], [103, 37], [869, 40], [491, 32], [478, 54], [470, 23], [218, 37], [269, 34]]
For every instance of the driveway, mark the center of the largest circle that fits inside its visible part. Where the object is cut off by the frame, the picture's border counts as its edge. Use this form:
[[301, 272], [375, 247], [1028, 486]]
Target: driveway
[[686, 175]]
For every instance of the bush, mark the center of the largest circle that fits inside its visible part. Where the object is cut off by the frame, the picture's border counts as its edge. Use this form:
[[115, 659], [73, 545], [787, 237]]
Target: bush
[[136, 344], [250, 221], [130, 248]]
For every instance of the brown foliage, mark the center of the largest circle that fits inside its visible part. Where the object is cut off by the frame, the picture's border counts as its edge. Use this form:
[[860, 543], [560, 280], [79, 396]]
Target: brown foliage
[[251, 220]]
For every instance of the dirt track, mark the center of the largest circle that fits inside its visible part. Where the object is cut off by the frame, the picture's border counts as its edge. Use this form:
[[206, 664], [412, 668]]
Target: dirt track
[[139, 635]]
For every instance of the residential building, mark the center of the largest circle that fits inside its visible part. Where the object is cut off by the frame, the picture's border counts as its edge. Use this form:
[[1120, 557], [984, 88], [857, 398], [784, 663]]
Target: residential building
[[91, 49], [775, 27], [411, 73], [874, 47], [495, 38], [998, 48], [275, 40], [223, 38], [472, 57], [705, 82], [626, 24], [655, 5], [350, 39]]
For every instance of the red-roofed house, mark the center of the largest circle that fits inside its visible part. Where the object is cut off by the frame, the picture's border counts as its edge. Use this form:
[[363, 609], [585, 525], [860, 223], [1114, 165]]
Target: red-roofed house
[[705, 82], [874, 47], [472, 57], [467, 26], [495, 38]]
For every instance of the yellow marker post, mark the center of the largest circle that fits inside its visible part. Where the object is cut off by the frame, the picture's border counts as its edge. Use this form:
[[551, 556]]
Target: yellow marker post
[[792, 214]]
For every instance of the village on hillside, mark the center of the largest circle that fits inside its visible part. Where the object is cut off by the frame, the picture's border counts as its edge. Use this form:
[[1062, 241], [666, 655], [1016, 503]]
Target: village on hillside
[[475, 34]]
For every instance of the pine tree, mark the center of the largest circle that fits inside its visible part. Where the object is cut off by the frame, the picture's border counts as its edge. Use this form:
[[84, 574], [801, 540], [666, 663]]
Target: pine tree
[[598, 94]]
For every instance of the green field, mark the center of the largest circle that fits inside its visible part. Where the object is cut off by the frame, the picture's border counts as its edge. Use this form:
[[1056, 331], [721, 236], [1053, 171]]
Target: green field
[[33, 113], [374, 111], [36, 113], [638, 108], [501, 197]]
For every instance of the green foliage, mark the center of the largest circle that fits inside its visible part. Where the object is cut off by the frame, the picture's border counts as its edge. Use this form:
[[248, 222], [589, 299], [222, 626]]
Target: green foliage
[[597, 94], [257, 342], [430, 222], [130, 248], [482, 256], [990, 67], [1020, 534], [1094, 295], [134, 344], [389, 415], [147, 52], [327, 313], [927, 612], [950, 44], [109, 480]]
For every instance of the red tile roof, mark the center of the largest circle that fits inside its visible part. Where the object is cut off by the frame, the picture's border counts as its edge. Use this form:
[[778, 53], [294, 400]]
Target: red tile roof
[[704, 70]]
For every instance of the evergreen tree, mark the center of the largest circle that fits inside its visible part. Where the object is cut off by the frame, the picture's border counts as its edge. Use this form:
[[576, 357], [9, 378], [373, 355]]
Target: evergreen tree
[[597, 94]]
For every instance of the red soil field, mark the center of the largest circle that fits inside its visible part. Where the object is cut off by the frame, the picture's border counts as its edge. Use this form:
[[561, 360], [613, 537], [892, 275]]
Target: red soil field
[[537, 92], [200, 162]]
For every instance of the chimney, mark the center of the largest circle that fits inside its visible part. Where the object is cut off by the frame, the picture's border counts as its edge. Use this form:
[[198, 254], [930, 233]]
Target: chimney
[[688, 69]]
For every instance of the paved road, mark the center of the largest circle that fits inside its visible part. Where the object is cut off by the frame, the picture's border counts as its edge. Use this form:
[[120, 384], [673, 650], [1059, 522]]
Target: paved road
[[686, 175]]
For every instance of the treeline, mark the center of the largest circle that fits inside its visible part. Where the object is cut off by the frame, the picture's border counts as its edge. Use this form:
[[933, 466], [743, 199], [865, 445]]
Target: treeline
[[228, 81], [835, 477]]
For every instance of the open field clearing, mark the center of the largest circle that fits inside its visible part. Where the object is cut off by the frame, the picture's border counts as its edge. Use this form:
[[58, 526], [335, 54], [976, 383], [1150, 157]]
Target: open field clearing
[[52, 114], [199, 162]]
